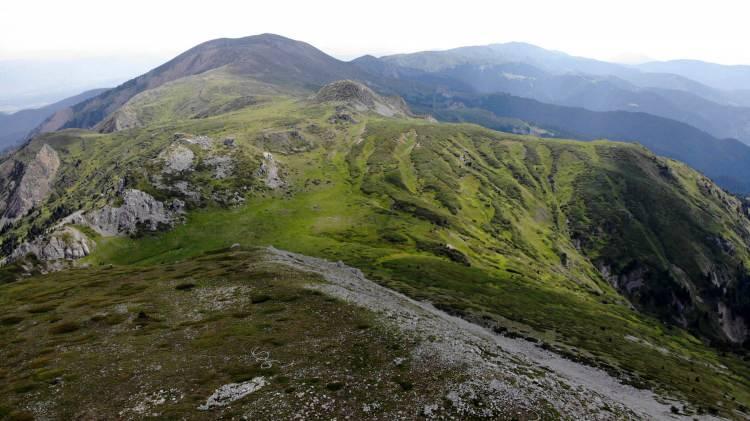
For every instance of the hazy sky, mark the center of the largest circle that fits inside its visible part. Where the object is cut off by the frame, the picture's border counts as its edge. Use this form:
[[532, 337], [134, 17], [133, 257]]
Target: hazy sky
[[660, 29]]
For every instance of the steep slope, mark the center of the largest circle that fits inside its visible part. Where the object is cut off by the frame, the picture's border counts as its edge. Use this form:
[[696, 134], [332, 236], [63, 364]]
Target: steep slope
[[266, 58], [15, 127], [548, 239], [726, 161], [220, 91]]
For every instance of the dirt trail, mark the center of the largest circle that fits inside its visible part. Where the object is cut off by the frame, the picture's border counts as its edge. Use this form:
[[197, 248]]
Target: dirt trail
[[503, 371]]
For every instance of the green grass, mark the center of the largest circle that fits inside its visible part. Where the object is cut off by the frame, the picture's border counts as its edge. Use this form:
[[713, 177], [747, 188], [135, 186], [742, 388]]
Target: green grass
[[183, 344], [504, 230]]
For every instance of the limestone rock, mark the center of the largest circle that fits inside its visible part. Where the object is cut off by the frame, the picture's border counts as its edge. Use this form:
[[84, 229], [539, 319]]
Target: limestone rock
[[270, 171], [34, 186], [64, 243], [139, 211], [177, 159], [204, 142], [361, 98], [222, 166]]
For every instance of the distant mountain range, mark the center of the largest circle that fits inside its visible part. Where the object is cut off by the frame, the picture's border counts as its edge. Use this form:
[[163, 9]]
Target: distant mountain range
[[15, 127], [553, 77], [730, 78]]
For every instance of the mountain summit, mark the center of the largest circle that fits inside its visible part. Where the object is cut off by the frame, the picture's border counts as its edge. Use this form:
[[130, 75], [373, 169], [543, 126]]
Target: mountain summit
[[267, 58]]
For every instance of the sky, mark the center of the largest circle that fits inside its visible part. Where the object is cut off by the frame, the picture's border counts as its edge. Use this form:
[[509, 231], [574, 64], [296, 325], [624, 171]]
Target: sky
[[630, 30]]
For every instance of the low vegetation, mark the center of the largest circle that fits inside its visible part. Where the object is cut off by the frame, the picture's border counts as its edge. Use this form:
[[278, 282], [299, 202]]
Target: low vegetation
[[511, 232]]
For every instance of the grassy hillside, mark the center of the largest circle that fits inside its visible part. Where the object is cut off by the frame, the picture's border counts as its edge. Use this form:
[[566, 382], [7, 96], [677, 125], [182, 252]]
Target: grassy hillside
[[511, 232], [155, 342]]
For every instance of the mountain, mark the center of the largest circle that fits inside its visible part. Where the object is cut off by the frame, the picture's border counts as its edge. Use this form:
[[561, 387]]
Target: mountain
[[15, 127], [548, 61], [724, 160], [236, 243], [719, 76], [549, 76], [266, 58]]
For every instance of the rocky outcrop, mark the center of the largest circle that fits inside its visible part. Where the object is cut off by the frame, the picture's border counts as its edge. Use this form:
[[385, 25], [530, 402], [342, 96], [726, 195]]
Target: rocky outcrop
[[204, 142], [231, 392], [626, 282], [361, 98], [66, 243], [269, 170], [733, 325], [139, 212], [34, 186], [286, 142], [222, 166], [177, 159]]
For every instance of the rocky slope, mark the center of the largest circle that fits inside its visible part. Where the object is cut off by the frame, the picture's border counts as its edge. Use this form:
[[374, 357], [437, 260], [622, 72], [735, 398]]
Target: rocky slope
[[360, 98], [27, 185]]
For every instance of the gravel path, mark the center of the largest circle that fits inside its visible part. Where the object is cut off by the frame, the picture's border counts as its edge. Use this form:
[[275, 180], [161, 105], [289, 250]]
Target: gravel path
[[502, 371]]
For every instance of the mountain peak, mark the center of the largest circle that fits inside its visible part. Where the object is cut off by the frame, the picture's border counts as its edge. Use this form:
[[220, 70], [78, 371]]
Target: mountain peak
[[268, 58]]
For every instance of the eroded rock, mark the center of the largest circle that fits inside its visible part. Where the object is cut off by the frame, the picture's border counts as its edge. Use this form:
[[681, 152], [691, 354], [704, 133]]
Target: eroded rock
[[233, 391], [204, 142], [269, 170], [34, 186], [64, 243], [139, 211], [222, 166], [361, 98], [177, 159]]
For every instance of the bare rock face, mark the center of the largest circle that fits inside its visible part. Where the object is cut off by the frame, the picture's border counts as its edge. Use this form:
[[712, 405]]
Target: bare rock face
[[222, 166], [733, 325], [177, 159], [139, 212], [361, 98], [65, 243], [34, 186], [269, 170]]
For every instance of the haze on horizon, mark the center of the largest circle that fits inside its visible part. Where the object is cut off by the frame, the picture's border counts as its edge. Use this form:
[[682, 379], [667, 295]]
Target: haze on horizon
[[624, 31]]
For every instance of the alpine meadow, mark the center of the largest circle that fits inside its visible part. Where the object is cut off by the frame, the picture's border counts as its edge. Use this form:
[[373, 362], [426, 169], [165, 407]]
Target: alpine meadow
[[256, 230]]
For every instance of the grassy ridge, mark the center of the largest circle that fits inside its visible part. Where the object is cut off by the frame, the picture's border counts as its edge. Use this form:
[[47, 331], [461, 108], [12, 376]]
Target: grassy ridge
[[505, 230], [156, 342]]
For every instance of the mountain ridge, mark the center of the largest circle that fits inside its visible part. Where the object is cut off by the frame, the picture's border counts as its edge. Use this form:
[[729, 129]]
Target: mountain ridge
[[152, 227]]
